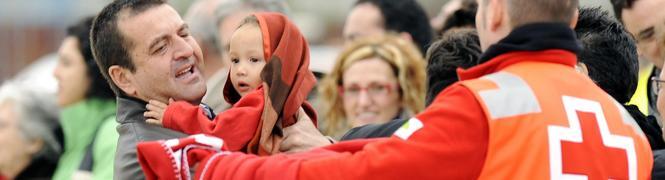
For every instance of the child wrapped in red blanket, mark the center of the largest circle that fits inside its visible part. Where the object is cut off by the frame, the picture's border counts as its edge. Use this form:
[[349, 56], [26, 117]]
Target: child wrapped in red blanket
[[267, 84]]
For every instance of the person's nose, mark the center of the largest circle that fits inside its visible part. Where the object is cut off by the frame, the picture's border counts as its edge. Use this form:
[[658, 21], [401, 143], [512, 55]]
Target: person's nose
[[241, 69], [364, 99], [183, 49], [57, 71]]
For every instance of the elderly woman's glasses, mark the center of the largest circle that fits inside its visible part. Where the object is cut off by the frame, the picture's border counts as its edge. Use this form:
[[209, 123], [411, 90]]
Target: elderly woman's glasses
[[375, 90]]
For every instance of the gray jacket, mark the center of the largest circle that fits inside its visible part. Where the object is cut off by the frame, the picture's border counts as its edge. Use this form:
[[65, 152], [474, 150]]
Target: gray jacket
[[133, 129]]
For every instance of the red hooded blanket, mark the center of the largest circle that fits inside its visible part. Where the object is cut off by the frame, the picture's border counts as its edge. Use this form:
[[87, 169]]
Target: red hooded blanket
[[254, 123]]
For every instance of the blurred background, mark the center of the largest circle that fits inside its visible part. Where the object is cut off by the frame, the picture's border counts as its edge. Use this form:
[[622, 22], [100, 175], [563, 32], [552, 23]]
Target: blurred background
[[32, 30]]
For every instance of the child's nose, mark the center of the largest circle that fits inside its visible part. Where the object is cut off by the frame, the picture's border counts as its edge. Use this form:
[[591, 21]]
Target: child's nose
[[241, 70]]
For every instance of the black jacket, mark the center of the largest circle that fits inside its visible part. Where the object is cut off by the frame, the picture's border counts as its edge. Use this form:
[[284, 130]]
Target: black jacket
[[374, 130]]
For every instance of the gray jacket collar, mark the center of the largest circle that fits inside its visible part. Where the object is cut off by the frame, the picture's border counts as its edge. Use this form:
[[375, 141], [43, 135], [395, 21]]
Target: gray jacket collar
[[130, 110]]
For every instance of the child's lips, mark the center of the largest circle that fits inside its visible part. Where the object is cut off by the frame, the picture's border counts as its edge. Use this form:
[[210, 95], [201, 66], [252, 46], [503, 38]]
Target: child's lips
[[243, 87]]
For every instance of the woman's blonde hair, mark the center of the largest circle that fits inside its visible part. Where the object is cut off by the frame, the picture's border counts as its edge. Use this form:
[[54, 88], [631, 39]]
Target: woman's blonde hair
[[408, 66]]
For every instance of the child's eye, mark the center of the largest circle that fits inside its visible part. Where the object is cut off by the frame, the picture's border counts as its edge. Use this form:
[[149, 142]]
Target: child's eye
[[235, 60], [253, 60]]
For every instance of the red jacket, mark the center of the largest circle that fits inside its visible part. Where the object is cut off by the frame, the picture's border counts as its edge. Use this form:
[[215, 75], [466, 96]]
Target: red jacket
[[236, 125]]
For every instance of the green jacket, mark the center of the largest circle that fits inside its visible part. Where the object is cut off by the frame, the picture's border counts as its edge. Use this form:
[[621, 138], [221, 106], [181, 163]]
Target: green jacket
[[81, 123]]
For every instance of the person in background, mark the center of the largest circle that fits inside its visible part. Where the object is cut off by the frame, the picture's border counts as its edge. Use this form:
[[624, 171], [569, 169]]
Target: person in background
[[375, 80], [457, 48], [640, 18], [455, 14], [610, 59], [201, 19], [88, 110], [376, 17], [659, 155], [28, 128]]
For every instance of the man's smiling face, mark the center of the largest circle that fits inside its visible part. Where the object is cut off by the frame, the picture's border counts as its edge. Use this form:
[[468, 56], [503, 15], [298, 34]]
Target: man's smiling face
[[167, 58]]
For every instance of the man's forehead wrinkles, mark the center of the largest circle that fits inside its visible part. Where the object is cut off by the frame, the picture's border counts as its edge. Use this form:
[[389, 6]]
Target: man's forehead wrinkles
[[148, 26]]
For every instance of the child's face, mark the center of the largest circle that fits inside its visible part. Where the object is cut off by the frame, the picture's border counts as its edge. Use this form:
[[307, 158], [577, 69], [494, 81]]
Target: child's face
[[246, 54]]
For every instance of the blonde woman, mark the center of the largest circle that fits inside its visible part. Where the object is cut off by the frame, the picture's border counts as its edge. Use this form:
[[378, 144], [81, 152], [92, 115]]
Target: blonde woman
[[375, 80]]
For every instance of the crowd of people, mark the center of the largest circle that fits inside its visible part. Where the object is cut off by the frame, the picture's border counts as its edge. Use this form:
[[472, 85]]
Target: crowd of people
[[486, 89]]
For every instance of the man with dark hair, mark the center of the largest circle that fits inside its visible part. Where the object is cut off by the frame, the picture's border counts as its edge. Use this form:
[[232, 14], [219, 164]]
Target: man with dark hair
[[640, 18], [145, 52], [406, 17], [610, 59], [609, 53], [457, 48], [524, 113]]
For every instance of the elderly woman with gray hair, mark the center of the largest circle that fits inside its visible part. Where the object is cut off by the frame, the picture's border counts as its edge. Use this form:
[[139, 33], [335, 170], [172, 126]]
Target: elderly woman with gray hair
[[28, 122]]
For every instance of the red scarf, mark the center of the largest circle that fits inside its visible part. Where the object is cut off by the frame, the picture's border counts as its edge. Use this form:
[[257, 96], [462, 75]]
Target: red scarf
[[287, 79]]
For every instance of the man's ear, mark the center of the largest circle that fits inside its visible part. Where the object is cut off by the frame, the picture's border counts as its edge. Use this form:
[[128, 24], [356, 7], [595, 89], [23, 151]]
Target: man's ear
[[495, 13], [123, 79], [576, 16]]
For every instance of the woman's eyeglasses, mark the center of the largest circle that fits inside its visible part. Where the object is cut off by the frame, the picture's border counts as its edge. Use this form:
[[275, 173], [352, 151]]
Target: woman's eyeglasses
[[375, 90]]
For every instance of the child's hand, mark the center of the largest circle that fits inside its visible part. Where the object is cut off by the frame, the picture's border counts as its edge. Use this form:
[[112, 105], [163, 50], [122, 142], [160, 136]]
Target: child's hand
[[155, 112]]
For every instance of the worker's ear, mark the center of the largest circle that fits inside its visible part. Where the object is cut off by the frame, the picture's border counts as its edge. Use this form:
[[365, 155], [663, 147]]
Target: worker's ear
[[581, 68], [573, 22], [497, 15]]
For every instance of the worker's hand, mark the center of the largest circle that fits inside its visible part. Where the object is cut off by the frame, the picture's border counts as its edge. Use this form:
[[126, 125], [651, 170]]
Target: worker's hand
[[155, 113], [302, 136]]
